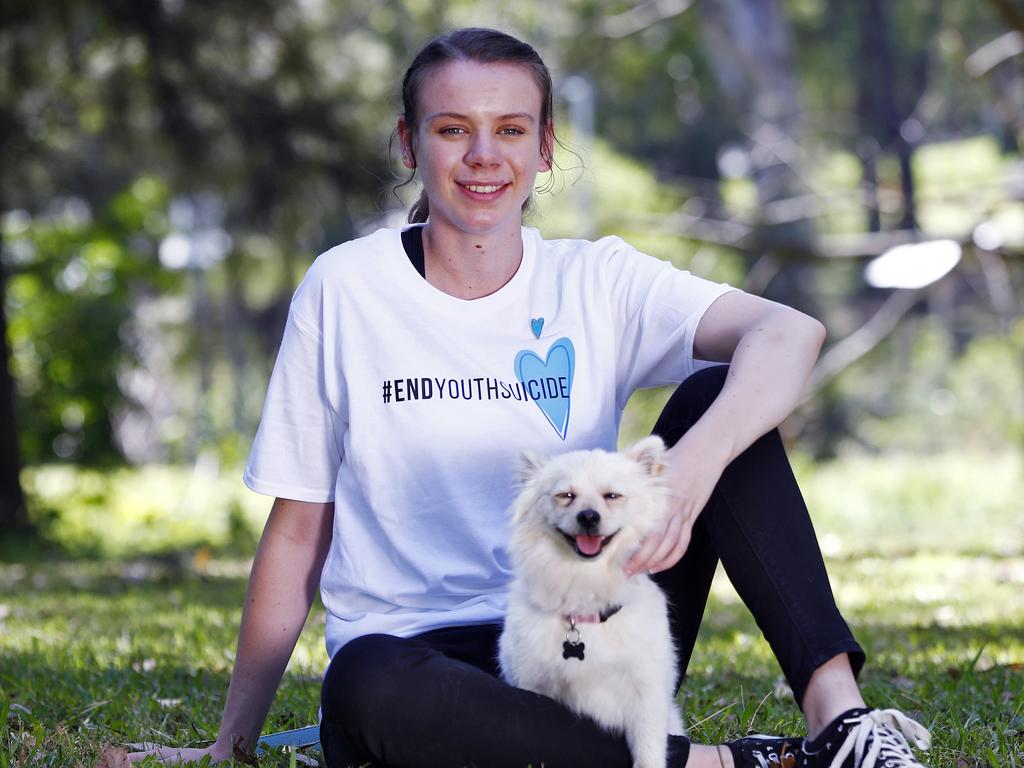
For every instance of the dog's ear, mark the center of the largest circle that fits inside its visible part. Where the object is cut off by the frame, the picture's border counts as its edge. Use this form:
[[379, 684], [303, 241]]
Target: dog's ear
[[529, 465], [648, 453]]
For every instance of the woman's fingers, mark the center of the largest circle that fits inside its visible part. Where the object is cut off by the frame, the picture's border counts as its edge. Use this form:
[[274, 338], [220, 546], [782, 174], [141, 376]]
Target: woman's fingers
[[170, 755], [667, 543], [648, 546], [682, 542], [658, 546]]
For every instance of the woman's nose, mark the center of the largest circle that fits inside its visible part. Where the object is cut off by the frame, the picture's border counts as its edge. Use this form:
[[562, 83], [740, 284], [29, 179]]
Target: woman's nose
[[483, 150]]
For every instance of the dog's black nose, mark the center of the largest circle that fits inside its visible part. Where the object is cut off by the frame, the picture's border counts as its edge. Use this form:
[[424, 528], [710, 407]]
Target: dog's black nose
[[588, 519]]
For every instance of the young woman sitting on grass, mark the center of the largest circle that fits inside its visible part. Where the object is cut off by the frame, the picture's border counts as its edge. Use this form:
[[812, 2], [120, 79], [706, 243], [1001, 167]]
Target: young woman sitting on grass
[[416, 367]]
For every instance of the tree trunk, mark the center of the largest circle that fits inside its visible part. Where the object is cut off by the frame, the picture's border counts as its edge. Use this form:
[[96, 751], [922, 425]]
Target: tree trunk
[[13, 516], [904, 151], [749, 45], [881, 114]]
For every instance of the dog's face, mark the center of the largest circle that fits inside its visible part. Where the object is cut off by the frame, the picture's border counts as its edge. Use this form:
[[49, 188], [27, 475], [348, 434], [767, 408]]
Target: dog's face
[[592, 504]]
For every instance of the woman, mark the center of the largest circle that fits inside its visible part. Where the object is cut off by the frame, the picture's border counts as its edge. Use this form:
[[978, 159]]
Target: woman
[[395, 418]]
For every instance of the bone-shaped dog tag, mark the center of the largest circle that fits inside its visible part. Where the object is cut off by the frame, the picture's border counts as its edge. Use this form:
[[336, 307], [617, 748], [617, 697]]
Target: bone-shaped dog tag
[[572, 650]]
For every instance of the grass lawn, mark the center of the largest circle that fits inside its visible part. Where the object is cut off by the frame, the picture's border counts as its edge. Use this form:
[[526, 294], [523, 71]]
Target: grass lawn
[[105, 652]]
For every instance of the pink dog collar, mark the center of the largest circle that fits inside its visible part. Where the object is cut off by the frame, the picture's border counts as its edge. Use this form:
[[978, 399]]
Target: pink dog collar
[[593, 618]]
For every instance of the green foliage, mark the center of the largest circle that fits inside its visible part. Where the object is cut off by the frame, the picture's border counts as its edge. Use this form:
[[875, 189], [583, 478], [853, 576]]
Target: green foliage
[[628, 202], [145, 511], [956, 183], [68, 301], [953, 502], [935, 398], [963, 502]]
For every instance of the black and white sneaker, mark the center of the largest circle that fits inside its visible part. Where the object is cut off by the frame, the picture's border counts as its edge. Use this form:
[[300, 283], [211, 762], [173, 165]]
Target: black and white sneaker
[[760, 751], [866, 738]]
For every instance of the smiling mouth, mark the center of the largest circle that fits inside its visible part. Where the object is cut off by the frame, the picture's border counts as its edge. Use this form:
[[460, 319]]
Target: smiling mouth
[[587, 547], [483, 189]]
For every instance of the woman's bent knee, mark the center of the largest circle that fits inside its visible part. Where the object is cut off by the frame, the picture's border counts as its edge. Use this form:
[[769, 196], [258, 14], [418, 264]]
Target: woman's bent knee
[[689, 402], [364, 676], [364, 684]]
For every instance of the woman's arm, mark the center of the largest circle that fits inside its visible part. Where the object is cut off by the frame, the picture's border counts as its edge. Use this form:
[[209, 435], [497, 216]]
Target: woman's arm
[[770, 349], [284, 579]]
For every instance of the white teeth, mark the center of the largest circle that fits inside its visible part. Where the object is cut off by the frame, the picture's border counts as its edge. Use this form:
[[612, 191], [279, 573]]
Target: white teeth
[[483, 189]]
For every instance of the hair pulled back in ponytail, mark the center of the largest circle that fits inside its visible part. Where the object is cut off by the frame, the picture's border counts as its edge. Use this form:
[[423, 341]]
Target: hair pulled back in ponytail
[[482, 46]]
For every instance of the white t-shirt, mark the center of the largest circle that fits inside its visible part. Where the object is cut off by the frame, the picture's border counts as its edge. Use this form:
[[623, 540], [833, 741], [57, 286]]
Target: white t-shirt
[[410, 409]]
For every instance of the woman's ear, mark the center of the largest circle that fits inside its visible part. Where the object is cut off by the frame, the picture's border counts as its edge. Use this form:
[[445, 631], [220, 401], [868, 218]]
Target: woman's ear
[[404, 131], [547, 147]]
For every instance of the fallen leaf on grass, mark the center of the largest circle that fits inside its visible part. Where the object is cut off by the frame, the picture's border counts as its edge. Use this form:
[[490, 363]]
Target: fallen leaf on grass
[[113, 757]]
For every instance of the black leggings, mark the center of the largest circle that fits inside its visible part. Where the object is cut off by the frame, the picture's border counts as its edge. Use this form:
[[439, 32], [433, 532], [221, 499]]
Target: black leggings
[[436, 699]]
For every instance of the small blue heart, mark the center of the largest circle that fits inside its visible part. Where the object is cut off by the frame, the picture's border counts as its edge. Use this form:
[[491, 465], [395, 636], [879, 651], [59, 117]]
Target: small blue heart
[[537, 324], [548, 382]]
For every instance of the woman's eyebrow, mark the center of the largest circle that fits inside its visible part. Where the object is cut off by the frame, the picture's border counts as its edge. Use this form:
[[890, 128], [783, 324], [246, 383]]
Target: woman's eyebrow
[[458, 116]]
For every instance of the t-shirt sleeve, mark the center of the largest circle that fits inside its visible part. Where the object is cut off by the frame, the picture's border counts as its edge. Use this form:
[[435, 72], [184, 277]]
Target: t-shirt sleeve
[[657, 308], [296, 452]]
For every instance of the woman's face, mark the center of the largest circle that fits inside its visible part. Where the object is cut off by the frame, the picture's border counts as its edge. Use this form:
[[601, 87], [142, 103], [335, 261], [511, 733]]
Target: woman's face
[[478, 145]]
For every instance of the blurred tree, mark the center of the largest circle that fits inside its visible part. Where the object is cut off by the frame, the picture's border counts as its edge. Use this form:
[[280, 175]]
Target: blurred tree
[[12, 500], [250, 135], [71, 294], [750, 44], [888, 95], [131, 121]]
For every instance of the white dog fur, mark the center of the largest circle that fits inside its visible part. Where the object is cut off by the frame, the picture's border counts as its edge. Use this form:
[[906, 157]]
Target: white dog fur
[[625, 682]]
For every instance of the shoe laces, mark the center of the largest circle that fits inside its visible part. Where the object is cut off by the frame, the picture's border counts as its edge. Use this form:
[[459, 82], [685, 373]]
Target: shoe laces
[[773, 760], [879, 738]]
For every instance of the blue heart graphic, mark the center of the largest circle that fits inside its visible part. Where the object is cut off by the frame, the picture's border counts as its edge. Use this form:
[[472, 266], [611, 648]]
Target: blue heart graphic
[[549, 382], [537, 325]]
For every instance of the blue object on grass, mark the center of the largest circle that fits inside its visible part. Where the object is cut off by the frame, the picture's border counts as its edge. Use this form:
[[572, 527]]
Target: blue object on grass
[[296, 738]]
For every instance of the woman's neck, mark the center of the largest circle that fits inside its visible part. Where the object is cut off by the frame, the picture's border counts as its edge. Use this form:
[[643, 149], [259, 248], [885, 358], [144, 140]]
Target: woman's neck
[[467, 266]]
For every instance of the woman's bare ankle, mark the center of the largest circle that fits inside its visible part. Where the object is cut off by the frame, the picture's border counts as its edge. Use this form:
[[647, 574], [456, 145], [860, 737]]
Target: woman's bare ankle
[[703, 756], [831, 691]]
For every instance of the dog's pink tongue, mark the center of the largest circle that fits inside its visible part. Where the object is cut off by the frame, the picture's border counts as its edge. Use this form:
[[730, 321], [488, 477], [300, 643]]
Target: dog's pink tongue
[[589, 545]]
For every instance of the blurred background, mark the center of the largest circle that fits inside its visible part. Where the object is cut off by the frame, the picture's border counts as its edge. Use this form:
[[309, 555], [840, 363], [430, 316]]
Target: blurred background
[[171, 168]]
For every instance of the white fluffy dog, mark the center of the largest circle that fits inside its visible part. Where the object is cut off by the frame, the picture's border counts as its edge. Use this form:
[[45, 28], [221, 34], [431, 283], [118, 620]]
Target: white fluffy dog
[[578, 630]]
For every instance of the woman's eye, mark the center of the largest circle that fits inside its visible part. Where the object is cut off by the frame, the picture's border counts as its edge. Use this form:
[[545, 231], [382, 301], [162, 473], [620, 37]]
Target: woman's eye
[[452, 131], [513, 131]]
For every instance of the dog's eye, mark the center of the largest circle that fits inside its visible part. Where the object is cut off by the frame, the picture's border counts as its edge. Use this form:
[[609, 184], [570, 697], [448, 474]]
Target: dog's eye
[[612, 496], [566, 497]]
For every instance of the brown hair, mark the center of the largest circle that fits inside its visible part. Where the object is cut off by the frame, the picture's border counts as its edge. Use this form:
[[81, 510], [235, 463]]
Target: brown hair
[[483, 46]]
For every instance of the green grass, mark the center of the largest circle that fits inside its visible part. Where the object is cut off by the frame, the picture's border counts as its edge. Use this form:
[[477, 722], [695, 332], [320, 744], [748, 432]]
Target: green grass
[[106, 651]]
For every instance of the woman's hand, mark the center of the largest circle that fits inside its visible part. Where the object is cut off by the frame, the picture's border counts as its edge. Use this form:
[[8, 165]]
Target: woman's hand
[[691, 473], [770, 349], [178, 755]]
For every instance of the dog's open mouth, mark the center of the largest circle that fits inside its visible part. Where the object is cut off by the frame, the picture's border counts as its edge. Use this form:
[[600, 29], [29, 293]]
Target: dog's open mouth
[[588, 546]]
